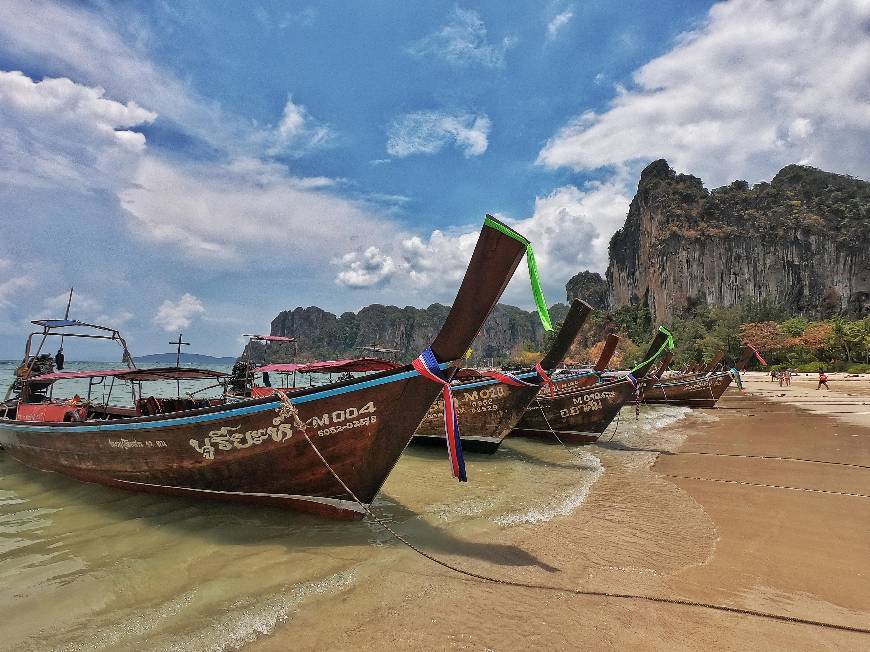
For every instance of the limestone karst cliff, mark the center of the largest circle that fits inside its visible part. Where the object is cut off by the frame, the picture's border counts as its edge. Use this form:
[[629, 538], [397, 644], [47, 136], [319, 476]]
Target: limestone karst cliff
[[588, 286], [323, 335], [801, 241]]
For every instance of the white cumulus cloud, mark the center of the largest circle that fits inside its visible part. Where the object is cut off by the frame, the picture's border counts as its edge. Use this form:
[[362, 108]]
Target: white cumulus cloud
[[757, 86], [12, 286], [244, 212], [59, 133], [428, 132], [177, 315], [365, 269], [558, 22], [569, 230], [463, 41]]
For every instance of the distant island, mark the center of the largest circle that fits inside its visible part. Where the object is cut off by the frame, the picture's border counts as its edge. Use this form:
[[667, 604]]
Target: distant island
[[186, 359]]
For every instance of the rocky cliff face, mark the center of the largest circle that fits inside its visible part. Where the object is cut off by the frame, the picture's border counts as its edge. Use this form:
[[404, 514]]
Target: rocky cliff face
[[323, 335], [588, 286], [801, 241]]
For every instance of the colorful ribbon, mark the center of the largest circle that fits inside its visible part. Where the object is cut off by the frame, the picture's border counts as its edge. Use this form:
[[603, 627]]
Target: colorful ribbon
[[427, 366], [534, 277], [507, 379], [668, 344], [547, 380]]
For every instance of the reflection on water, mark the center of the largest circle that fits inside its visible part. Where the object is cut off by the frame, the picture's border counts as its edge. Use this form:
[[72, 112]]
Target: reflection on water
[[87, 567]]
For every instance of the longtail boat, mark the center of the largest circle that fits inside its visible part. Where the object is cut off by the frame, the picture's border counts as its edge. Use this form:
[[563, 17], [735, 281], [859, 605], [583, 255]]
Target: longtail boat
[[578, 409], [323, 450], [489, 404], [702, 389]]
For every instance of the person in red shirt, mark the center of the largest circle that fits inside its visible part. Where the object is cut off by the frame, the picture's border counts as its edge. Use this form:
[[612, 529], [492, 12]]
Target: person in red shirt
[[823, 380]]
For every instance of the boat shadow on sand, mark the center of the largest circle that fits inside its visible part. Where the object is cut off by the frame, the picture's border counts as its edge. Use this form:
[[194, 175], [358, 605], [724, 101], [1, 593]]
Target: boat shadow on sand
[[235, 524]]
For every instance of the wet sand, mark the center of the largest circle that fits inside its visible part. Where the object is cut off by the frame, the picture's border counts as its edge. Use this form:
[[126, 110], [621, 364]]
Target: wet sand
[[679, 504], [665, 524]]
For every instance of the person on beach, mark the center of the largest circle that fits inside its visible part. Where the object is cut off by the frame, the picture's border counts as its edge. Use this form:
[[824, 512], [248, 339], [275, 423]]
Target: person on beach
[[823, 380], [787, 375], [773, 376]]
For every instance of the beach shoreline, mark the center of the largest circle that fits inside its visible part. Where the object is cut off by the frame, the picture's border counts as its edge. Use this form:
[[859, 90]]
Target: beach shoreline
[[713, 508]]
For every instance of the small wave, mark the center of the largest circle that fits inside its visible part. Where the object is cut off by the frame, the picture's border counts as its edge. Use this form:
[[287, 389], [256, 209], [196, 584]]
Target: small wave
[[565, 503], [470, 508], [247, 620]]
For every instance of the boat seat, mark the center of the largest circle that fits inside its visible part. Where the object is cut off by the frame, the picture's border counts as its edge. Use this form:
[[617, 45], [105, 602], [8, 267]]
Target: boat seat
[[151, 406]]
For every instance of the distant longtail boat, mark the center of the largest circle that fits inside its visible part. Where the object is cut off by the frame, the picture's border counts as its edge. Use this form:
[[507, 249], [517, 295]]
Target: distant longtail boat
[[701, 389], [580, 408], [489, 404]]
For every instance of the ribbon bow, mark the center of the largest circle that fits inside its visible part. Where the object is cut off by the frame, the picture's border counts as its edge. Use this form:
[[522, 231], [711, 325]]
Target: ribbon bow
[[427, 366], [547, 380], [668, 344], [534, 277]]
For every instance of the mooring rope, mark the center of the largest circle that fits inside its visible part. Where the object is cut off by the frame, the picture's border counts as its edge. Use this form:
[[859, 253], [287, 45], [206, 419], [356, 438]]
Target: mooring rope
[[779, 458], [615, 427], [769, 486], [547, 421], [288, 409]]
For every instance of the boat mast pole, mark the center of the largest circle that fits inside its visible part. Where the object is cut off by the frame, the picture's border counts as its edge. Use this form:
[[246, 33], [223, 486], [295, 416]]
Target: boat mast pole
[[178, 344], [59, 357]]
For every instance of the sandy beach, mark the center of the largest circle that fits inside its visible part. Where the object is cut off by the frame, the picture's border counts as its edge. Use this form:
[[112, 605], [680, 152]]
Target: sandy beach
[[723, 506], [762, 504]]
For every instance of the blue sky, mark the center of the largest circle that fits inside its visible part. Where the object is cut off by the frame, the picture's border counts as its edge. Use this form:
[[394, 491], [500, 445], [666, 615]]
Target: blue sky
[[201, 166]]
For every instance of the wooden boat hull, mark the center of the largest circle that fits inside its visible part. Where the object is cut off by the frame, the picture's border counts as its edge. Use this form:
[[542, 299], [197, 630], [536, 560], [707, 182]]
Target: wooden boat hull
[[578, 416], [487, 412], [245, 452], [701, 391]]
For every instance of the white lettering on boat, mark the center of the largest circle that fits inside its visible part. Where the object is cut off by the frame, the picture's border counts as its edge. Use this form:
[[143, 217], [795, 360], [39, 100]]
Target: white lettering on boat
[[229, 438], [469, 401], [126, 443]]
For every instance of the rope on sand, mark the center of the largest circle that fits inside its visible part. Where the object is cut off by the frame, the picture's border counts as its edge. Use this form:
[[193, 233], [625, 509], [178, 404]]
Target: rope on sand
[[288, 410], [769, 486], [769, 457]]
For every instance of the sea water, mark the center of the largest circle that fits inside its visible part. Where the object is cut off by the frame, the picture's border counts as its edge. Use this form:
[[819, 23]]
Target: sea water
[[86, 567]]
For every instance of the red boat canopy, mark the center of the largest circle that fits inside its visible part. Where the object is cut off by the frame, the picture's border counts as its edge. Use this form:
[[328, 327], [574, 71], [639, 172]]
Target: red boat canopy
[[163, 373], [271, 338], [333, 366]]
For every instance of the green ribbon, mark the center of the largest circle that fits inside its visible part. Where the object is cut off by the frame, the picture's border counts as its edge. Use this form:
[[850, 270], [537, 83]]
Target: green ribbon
[[668, 344], [537, 292]]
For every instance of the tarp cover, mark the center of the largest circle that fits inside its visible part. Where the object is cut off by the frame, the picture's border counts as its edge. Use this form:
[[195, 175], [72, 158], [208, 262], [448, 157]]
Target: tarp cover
[[163, 373], [272, 338], [57, 323], [333, 366]]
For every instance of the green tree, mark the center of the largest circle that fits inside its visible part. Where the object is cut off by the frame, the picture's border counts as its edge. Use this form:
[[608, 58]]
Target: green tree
[[794, 327]]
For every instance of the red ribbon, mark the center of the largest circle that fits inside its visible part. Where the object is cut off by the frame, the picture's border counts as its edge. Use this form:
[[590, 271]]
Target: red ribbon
[[547, 380]]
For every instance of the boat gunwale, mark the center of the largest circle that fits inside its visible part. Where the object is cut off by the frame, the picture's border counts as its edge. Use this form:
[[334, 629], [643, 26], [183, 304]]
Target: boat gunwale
[[217, 412]]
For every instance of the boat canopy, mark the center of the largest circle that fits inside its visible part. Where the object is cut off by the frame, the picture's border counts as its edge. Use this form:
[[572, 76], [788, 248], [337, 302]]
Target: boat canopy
[[163, 373], [333, 366], [58, 323], [271, 338]]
